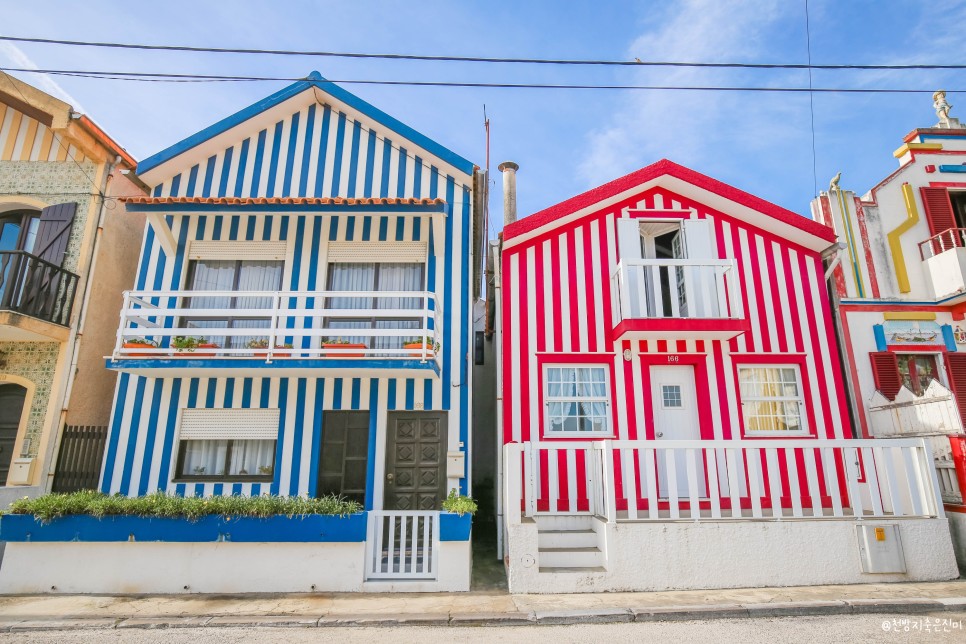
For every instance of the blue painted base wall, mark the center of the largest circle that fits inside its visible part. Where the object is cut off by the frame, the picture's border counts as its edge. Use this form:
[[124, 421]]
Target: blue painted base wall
[[281, 529]]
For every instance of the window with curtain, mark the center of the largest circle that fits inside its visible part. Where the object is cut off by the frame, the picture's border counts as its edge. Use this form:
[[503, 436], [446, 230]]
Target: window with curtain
[[577, 399], [376, 276], [227, 459], [771, 399], [233, 275]]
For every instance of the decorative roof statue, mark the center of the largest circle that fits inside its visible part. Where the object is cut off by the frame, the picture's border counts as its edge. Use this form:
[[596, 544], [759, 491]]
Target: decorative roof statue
[[833, 185], [942, 110]]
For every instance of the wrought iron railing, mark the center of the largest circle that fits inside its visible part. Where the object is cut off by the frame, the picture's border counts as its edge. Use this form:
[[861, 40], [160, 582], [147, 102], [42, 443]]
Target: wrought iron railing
[[35, 287]]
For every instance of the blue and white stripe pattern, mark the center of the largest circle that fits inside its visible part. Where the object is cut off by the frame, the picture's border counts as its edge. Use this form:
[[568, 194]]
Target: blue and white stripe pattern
[[318, 148]]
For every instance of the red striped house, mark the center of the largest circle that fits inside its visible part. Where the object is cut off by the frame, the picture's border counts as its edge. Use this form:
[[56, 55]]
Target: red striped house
[[668, 353]]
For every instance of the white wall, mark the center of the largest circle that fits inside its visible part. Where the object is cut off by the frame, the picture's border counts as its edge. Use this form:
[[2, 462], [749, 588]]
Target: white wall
[[680, 556], [155, 567]]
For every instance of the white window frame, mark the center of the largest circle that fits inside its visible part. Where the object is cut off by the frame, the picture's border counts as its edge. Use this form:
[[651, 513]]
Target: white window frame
[[608, 432], [268, 429], [805, 431]]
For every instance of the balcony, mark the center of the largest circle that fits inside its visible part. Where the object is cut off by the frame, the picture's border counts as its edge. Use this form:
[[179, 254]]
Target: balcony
[[944, 261], [35, 298], [297, 333], [677, 299]]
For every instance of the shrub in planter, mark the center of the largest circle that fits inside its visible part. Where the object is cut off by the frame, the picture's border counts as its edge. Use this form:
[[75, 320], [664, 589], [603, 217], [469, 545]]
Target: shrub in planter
[[415, 345], [260, 348], [139, 343], [184, 345], [342, 344], [459, 504]]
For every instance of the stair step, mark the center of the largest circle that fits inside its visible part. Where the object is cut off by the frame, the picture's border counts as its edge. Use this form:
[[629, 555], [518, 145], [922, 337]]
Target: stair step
[[560, 569], [570, 557], [566, 538]]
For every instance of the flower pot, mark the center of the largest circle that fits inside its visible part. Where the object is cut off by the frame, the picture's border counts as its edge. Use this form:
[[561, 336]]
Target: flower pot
[[343, 353], [138, 345], [416, 349], [206, 354]]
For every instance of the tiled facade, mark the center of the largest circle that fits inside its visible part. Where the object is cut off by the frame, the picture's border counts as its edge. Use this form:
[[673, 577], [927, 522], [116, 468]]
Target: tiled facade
[[36, 362]]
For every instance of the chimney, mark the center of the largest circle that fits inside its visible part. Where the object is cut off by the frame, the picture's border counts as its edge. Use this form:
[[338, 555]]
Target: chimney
[[509, 170]]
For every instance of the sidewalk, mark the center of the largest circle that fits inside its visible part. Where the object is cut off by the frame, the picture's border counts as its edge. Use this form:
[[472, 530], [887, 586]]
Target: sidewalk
[[470, 609]]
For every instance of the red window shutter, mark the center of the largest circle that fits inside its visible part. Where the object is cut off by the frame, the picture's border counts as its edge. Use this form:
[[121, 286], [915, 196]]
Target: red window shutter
[[939, 209], [957, 373], [885, 371]]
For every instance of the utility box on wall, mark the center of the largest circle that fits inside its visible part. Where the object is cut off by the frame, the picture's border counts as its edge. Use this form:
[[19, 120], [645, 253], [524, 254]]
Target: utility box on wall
[[21, 470], [880, 549], [455, 465]]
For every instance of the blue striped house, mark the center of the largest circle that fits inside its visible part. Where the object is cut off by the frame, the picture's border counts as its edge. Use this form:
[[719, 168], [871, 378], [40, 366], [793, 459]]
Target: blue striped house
[[294, 250]]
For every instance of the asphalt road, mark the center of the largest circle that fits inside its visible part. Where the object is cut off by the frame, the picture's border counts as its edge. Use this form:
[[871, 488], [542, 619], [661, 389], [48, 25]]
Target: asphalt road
[[807, 630]]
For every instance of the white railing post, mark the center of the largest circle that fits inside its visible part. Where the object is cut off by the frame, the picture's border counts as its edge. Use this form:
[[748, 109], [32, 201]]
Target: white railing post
[[425, 325], [125, 305], [531, 457], [512, 482], [930, 480], [609, 489], [624, 285]]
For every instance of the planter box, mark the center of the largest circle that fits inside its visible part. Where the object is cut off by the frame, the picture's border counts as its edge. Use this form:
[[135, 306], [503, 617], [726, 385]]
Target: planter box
[[138, 345], [347, 354], [453, 527], [298, 529]]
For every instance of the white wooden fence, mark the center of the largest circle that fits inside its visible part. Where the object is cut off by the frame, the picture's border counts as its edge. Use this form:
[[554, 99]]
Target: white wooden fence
[[287, 323], [676, 288], [948, 482], [739, 479], [402, 545]]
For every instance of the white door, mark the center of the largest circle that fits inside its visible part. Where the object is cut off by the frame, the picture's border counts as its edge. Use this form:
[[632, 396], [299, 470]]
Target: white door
[[675, 419]]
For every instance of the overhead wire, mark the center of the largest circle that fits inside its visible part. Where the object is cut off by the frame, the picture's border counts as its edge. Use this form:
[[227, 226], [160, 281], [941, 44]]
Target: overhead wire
[[176, 77], [476, 59]]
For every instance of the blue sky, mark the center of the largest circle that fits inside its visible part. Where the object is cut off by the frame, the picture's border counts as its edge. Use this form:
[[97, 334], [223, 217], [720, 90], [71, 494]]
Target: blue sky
[[565, 141]]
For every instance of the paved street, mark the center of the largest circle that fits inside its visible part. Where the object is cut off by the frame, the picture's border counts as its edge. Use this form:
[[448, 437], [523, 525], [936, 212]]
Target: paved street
[[808, 630]]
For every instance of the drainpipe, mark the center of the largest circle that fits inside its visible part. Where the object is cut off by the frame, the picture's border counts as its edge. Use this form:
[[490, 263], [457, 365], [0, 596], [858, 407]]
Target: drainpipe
[[831, 257], [53, 447], [509, 170]]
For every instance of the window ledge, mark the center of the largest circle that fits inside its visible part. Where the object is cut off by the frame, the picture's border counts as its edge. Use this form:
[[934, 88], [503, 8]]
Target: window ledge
[[778, 434], [594, 435], [222, 479]]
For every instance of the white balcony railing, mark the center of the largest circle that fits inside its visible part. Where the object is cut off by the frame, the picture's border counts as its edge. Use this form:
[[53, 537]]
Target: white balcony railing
[[676, 288], [714, 480], [280, 324]]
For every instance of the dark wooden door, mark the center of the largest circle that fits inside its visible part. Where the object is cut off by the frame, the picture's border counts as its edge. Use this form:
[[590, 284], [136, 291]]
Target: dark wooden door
[[12, 398], [345, 454], [415, 461]]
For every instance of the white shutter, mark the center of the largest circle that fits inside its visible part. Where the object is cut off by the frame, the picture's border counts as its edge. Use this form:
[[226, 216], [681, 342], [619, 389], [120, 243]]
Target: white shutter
[[629, 238], [253, 250], [220, 424], [405, 251], [697, 238]]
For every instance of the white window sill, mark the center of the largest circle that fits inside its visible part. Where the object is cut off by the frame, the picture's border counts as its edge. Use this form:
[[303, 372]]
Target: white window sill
[[778, 434], [593, 435]]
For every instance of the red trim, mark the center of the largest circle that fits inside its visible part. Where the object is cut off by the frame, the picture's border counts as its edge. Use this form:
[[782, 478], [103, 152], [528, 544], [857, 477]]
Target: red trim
[[572, 358], [878, 308], [864, 234], [670, 325], [947, 184], [931, 130], [958, 444], [916, 348], [701, 390], [107, 141], [771, 358], [661, 168]]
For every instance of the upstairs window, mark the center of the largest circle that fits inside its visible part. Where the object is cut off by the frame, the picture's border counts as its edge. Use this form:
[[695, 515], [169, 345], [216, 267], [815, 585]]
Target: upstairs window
[[18, 230]]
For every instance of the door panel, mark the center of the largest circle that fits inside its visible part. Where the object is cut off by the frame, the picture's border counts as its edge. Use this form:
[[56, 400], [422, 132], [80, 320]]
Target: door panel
[[676, 418], [415, 461], [345, 453], [12, 399]]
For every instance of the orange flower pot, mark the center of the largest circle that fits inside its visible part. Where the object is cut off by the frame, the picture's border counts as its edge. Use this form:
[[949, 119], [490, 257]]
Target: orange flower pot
[[138, 345], [343, 353]]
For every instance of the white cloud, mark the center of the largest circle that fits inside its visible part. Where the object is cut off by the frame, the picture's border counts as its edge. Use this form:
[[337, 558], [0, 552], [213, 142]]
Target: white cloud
[[18, 58], [644, 126]]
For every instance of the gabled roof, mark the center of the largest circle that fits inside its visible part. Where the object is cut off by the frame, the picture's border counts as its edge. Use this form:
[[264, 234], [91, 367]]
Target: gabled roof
[[676, 177], [313, 80]]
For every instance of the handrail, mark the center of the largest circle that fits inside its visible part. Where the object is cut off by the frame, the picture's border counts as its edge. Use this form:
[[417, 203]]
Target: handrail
[[941, 242], [676, 289], [36, 287]]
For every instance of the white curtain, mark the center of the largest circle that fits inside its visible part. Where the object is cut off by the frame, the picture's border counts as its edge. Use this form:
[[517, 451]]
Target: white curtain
[[384, 276], [209, 457], [232, 275]]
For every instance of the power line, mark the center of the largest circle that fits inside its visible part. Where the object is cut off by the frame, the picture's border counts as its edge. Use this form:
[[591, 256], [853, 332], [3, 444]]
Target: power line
[[811, 101], [470, 59], [172, 77]]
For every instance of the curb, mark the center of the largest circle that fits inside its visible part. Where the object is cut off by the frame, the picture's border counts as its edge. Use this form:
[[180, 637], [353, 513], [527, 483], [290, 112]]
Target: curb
[[589, 616]]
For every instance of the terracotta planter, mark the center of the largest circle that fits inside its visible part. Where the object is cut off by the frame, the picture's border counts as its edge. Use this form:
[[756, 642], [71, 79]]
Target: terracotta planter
[[138, 345], [346, 354], [416, 349], [198, 354]]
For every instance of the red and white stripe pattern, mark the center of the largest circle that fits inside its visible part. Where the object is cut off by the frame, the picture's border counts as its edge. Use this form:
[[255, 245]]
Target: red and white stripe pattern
[[557, 305]]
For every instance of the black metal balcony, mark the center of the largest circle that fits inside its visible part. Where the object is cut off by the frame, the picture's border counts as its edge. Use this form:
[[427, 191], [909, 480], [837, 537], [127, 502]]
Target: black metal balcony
[[35, 287]]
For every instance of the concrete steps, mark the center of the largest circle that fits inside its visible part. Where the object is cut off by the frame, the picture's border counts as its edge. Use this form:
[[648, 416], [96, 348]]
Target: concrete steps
[[569, 545]]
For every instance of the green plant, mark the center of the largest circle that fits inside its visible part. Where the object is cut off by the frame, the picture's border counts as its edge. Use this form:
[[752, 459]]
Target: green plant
[[430, 342], [459, 504], [159, 504], [144, 341], [337, 341], [186, 343], [257, 344]]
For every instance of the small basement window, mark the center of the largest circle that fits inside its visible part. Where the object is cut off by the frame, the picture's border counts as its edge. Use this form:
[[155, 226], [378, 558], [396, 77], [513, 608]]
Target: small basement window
[[227, 445]]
